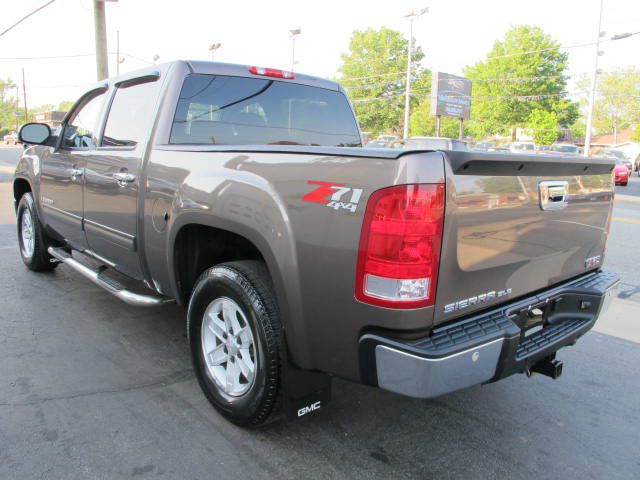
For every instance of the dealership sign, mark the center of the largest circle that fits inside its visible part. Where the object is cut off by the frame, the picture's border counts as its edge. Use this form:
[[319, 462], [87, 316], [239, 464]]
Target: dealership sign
[[450, 96]]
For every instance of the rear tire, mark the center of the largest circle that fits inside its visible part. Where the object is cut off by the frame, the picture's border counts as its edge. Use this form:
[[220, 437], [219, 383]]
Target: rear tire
[[234, 332], [32, 239]]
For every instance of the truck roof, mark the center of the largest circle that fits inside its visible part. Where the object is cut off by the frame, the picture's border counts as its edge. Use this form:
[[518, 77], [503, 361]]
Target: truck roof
[[236, 70]]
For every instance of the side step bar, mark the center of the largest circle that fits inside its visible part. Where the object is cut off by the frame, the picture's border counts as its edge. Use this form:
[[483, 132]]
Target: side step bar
[[109, 284]]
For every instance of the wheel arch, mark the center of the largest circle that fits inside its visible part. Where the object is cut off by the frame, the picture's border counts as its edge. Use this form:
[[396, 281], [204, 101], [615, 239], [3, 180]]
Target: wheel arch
[[252, 245]]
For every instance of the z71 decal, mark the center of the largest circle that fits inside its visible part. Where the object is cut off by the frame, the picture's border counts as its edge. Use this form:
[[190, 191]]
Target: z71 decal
[[334, 195]]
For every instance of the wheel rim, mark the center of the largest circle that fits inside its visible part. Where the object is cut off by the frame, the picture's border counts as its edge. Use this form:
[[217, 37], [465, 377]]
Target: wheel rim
[[228, 347], [26, 232]]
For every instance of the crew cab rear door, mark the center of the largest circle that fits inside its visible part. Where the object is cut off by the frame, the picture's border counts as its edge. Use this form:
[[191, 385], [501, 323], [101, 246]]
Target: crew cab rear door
[[113, 171], [62, 169]]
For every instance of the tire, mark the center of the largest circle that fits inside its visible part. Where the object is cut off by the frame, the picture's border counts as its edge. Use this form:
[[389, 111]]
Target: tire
[[624, 184], [33, 245], [243, 286]]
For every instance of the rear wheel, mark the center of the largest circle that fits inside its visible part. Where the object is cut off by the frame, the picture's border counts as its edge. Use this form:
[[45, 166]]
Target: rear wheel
[[32, 239], [234, 335]]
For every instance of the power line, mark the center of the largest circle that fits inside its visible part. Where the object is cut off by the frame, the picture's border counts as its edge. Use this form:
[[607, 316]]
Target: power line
[[27, 16]]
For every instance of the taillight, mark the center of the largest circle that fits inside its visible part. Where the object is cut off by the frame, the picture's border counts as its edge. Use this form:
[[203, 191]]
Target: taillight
[[400, 246], [271, 72]]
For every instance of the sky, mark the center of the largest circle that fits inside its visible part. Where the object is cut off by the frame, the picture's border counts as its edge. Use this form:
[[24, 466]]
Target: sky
[[453, 34]]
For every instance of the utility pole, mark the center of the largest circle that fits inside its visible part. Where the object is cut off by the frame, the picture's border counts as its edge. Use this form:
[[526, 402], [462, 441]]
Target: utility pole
[[24, 93], [294, 33], [592, 93], [17, 105], [407, 100], [102, 60]]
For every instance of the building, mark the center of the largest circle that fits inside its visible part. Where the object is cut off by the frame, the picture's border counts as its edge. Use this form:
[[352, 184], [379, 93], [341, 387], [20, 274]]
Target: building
[[53, 118]]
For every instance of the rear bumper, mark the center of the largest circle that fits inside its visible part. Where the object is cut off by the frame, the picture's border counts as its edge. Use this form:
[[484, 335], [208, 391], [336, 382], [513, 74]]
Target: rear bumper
[[487, 347]]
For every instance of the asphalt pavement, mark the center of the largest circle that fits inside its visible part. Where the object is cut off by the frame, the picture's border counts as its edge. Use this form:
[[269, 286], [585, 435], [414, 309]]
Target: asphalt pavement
[[93, 388]]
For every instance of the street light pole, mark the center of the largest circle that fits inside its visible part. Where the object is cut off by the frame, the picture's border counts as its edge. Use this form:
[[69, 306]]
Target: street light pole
[[213, 47], [294, 33], [407, 100], [24, 94], [592, 93]]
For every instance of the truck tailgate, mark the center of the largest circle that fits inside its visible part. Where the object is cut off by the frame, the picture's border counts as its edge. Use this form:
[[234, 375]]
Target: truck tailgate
[[500, 241]]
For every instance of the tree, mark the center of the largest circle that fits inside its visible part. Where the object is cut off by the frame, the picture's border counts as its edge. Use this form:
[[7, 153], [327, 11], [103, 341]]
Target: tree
[[544, 125], [422, 123], [635, 136], [374, 71], [65, 105], [509, 84], [7, 105], [617, 102]]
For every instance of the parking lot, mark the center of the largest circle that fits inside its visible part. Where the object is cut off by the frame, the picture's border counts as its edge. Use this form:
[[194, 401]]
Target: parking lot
[[93, 388]]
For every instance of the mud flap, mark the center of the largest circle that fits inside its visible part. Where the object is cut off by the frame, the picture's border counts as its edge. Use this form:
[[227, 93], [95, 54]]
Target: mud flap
[[304, 391]]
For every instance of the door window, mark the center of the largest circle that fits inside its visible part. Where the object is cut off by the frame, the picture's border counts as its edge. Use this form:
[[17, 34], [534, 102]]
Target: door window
[[130, 115], [80, 131]]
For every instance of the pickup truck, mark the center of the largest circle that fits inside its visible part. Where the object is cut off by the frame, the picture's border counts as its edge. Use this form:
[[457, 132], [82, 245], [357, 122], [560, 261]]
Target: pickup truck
[[244, 194]]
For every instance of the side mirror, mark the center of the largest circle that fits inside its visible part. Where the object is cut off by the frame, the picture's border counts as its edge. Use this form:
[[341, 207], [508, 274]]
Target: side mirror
[[35, 133]]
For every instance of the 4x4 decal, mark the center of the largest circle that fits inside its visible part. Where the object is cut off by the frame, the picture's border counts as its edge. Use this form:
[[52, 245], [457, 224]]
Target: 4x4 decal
[[332, 195]]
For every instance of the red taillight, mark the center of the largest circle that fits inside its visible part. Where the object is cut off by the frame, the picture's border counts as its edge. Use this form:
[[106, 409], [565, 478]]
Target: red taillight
[[400, 246], [271, 72]]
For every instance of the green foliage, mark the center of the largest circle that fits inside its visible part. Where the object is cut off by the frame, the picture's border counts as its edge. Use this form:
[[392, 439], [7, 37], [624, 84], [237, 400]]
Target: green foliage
[[544, 125], [7, 104], [422, 123], [617, 99], [65, 105], [635, 136], [506, 76], [373, 71]]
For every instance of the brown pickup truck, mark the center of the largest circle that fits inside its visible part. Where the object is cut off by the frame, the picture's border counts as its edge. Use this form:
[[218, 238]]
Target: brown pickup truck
[[244, 193]]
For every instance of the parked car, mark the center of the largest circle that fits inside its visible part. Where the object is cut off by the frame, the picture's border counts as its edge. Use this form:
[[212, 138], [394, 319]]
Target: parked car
[[618, 155], [377, 144], [387, 138], [621, 173], [242, 193], [430, 143], [522, 147], [484, 146], [563, 149], [11, 138]]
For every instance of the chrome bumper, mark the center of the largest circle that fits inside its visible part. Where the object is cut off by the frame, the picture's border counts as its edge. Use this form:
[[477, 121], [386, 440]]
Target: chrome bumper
[[486, 347]]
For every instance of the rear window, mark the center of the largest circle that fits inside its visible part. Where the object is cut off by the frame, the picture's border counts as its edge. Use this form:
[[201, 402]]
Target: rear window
[[224, 110]]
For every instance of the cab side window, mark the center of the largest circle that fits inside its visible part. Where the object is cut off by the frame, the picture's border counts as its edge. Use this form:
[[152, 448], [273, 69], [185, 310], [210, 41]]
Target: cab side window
[[80, 132], [131, 115]]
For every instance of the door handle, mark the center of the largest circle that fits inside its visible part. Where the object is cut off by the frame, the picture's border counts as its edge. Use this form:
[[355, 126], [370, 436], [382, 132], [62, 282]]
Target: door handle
[[123, 178], [75, 173]]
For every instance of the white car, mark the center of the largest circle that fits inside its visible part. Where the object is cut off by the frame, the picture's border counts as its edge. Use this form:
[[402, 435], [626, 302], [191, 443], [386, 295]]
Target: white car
[[522, 147], [11, 138]]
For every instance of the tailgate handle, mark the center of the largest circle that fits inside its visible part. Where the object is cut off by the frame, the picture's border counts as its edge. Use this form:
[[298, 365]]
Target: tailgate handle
[[554, 195]]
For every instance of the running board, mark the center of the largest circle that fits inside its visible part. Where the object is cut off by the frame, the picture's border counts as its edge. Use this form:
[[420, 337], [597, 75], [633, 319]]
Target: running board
[[109, 284]]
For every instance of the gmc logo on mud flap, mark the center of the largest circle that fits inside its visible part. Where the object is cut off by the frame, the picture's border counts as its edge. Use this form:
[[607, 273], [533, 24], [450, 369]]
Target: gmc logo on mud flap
[[334, 195], [309, 408]]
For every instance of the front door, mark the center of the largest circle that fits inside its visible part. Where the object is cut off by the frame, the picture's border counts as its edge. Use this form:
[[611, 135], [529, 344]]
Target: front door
[[112, 177], [62, 171]]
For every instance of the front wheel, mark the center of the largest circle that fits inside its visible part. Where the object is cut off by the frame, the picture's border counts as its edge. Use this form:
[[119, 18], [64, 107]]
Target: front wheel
[[32, 238], [234, 336]]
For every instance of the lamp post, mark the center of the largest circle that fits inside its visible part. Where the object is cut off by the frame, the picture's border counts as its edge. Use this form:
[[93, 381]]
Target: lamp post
[[213, 47], [592, 93], [411, 16], [294, 33]]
